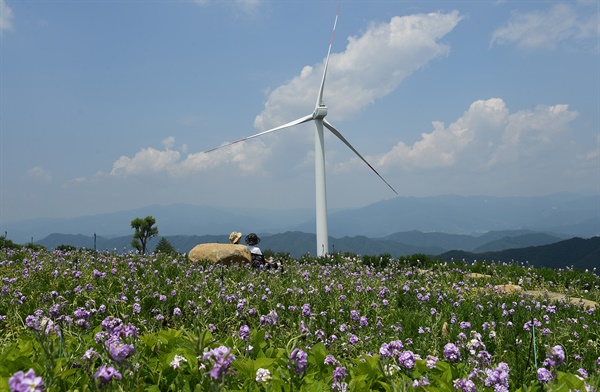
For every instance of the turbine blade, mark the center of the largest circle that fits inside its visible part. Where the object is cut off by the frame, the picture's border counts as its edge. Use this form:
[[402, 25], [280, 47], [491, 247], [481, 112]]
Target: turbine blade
[[343, 139], [320, 97], [287, 125]]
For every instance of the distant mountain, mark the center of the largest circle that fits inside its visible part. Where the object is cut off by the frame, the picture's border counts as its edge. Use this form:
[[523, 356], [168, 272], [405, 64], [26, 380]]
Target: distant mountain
[[577, 252], [520, 241], [561, 215], [568, 214], [493, 240]]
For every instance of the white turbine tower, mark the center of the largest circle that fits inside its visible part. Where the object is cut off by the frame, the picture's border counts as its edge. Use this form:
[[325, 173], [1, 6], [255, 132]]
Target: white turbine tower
[[318, 116]]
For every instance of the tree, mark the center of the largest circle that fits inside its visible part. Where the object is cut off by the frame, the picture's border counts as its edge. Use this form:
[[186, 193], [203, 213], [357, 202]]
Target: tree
[[143, 232], [164, 246]]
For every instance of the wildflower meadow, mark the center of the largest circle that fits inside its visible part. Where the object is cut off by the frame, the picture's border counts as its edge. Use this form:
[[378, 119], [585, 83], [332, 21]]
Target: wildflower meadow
[[79, 320]]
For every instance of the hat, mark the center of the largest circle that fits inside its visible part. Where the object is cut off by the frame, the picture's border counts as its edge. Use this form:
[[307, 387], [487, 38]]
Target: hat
[[234, 237], [252, 239]]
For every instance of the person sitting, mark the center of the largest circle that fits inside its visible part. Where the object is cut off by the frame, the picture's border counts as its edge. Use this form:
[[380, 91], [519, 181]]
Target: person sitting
[[235, 237], [257, 257]]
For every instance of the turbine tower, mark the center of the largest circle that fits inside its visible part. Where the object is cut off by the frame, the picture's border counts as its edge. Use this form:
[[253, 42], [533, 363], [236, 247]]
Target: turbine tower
[[318, 116]]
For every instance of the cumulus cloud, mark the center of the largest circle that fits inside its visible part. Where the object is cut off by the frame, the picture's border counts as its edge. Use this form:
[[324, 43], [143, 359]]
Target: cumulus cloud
[[561, 24], [148, 160], [39, 173], [487, 134], [371, 66], [6, 17], [246, 158]]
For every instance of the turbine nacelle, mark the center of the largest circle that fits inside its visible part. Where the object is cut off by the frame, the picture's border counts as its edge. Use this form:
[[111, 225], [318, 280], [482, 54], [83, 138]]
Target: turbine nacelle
[[320, 112]]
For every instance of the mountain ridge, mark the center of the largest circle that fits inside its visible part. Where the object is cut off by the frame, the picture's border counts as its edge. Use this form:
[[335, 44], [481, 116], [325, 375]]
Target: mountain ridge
[[561, 253], [562, 214]]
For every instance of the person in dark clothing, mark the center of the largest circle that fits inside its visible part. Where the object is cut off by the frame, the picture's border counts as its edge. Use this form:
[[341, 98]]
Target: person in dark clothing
[[257, 257]]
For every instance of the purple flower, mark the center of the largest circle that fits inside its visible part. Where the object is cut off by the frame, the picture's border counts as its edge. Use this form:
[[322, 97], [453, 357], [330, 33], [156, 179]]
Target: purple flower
[[532, 323], [110, 323], [33, 322], [118, 350], [221, 359], [353, 339], [544, 375], [363, 321], [81, 313], [555, 357], [431, 361], [451, 352], [90, 354], [299, 360], [306, 310], [406, 359], [464, 385], [244, 332], [339, 374], [177, 312], [106, 373], [26, 382], [497, 378], [330, 360], [391, 349]]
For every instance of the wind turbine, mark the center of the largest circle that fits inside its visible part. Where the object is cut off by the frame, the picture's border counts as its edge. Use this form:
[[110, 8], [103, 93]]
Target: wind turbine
[[318, 116]]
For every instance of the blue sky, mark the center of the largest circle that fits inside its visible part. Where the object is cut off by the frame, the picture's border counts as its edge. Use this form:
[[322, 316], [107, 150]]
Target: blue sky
[[109, 105]]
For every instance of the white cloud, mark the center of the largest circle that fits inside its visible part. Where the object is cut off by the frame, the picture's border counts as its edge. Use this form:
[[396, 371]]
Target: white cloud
[[168, 142], [40, 174], [6, 17], [486, 135], [562, 24], [372, 66], [245, 157], [246, 6], [148, 160], [356, 77]]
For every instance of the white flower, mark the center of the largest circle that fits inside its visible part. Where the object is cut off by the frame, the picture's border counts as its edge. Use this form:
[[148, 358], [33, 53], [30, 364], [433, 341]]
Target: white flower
[[176, 362], [263, 375]]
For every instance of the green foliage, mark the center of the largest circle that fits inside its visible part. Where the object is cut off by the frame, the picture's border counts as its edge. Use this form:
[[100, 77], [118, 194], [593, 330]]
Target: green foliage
[[34, 247], [164, 246], [183, 309], [144, 230], [8, 244], [380, 261], [66, 248]]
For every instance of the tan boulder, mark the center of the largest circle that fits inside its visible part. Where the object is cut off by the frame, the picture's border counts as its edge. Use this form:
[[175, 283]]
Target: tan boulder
[[221, 253], [508, 288]]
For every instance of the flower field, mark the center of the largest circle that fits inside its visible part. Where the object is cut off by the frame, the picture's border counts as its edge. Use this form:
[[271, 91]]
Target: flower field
[[87, 321]]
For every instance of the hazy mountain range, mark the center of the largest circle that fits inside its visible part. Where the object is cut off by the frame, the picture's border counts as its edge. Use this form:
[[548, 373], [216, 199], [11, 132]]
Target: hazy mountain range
[[537, 249], [538, 229], [562, 215]]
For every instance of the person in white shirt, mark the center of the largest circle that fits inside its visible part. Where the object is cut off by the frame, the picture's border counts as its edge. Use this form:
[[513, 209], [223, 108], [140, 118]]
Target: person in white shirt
[[257, 257]]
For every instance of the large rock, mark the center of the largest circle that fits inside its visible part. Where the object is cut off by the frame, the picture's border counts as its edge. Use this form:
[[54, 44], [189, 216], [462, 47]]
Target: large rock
[[221, 253]]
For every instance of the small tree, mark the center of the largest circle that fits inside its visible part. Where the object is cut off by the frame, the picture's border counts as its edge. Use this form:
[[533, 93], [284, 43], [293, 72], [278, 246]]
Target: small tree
[[164, 246], [143, 232]]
